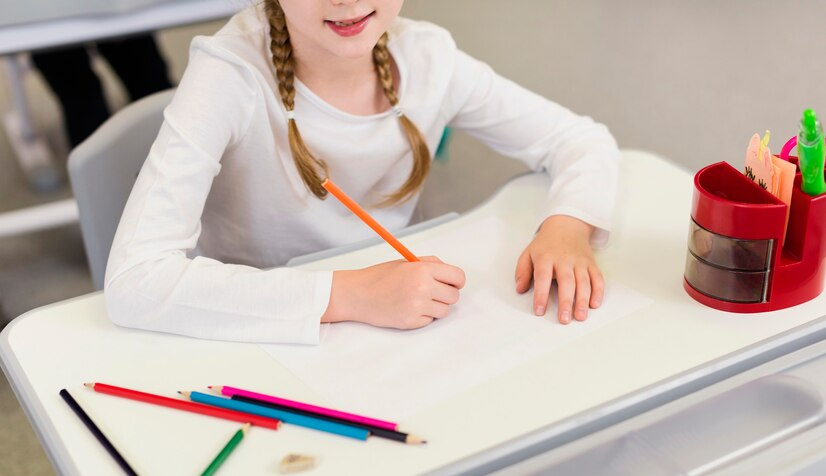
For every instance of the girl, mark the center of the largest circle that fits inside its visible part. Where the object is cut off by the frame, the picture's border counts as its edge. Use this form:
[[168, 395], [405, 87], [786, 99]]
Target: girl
[[292, 91]]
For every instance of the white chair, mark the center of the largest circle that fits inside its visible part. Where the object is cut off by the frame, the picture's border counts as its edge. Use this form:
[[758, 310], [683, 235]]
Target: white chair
[[103, 169]]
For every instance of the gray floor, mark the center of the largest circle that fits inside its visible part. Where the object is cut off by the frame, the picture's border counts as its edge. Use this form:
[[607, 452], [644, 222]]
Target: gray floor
[[20, 452]]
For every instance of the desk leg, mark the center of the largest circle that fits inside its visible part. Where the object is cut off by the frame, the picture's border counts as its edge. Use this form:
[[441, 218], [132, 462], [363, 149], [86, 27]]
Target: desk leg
[[32, 154]]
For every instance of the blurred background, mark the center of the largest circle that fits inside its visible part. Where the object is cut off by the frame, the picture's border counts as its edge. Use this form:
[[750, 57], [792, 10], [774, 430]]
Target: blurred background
[[688, 81]]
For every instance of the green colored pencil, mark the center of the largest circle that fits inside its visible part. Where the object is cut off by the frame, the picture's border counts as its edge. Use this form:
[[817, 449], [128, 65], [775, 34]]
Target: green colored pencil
[[231, 444]]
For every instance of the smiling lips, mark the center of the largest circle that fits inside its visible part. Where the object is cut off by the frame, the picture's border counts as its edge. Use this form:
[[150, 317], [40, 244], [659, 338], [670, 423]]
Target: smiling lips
[[350, 27]]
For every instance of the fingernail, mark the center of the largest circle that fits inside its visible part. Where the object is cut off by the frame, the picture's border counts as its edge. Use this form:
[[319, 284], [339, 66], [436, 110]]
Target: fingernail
[[598, 302], [566, 317], [581, 313], [540, 310]]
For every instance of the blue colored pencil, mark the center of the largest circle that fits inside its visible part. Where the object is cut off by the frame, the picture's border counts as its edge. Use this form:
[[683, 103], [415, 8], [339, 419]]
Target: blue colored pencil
[[285, 416]]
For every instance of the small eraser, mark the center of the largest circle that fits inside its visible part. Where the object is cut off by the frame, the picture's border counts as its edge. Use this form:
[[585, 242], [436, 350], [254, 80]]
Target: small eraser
[[294, 463]]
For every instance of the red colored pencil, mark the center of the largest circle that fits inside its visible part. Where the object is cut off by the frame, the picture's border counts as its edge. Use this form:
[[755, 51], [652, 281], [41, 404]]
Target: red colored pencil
[[185, 405]]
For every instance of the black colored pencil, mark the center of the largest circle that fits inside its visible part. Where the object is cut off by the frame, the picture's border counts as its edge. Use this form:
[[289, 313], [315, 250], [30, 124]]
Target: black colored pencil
[[96, 431], [374, 430]]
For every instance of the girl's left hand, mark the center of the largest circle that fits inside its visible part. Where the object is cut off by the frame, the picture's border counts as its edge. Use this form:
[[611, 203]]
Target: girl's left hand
[[561, 250]]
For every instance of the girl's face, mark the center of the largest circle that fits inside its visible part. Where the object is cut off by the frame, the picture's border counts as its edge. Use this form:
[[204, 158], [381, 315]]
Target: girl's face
[[347, 29]]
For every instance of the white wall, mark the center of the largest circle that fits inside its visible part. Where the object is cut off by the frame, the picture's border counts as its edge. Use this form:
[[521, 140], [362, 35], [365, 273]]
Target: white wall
[[689, 80]]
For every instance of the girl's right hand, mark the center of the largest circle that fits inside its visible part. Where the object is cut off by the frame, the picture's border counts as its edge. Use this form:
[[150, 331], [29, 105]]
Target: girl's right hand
[[396, 294]]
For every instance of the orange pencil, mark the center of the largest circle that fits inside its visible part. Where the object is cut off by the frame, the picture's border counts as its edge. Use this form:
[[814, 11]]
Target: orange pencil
[[368, 220]]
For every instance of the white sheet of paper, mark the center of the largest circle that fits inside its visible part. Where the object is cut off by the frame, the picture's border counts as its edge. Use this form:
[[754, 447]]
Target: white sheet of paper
[[392, 374]]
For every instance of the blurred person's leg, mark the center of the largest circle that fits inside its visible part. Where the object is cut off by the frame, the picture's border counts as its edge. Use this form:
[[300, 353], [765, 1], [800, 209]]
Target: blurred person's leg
[[68, 72], [139, 64]]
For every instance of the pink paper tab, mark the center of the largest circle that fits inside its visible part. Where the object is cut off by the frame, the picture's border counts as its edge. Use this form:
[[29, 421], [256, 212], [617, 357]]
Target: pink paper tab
[[784, 173]]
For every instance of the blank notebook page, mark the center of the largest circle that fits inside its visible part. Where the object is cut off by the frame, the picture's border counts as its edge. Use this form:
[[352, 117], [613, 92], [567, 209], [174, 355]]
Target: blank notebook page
[[393, 374]]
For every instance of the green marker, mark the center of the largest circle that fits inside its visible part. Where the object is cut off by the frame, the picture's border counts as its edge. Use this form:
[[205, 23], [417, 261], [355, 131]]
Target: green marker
[[810, 150]]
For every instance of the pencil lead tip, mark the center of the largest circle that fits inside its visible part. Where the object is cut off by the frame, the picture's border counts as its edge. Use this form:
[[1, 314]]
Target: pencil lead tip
[[90, 385], [209, 387], [180, 392]]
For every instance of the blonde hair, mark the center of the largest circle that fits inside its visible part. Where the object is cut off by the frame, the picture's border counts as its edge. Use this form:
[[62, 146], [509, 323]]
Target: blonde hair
[[313, 170]]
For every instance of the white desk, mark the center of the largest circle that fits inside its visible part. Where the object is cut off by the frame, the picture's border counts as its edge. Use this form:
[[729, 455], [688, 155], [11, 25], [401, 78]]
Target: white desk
[[670, 348], [36, 32], [769, 420]]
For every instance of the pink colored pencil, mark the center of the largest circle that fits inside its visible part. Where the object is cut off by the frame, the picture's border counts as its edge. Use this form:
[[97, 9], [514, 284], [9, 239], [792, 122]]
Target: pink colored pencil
[[230, 391]]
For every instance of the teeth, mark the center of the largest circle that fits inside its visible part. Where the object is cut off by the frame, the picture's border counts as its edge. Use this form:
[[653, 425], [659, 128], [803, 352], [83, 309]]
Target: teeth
[[341, 23]]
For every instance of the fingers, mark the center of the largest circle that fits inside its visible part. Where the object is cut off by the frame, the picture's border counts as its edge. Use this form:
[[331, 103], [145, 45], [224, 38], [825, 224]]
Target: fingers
[[524, 272], [445, 273], [437, 310], [583, 292], [566, 286], [445, 293], [415, 323], [542, 277], [449, 274], [430, 259], [434, 310], [597, 286], [578, 289]]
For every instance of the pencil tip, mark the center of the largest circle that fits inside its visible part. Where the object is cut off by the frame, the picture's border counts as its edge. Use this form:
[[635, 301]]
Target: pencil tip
[[415, 440], [90, 385]]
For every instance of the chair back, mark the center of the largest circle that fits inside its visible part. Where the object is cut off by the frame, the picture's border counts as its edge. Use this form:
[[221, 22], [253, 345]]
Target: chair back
[[103, 169]]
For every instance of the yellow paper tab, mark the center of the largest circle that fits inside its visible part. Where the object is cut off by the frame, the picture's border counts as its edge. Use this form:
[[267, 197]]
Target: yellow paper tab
[[759, 167]]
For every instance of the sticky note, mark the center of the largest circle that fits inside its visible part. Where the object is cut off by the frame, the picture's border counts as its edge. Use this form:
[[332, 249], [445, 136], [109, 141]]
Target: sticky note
[[759, 167]]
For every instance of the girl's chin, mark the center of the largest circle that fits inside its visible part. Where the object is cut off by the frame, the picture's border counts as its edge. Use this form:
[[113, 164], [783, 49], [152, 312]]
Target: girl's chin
[[353, 49]]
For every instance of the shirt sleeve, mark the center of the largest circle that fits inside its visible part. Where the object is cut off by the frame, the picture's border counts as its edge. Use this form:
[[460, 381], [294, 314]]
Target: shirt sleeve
[[151, 283], [580, 155]]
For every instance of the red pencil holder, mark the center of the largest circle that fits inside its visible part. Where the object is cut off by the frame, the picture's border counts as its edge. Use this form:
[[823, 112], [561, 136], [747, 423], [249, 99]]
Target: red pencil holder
[[735, 261]]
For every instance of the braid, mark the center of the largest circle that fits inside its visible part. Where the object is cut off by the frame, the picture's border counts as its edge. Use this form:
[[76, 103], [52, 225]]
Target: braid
[[312, 170], [282, 56], [421, 154], [381, 58]]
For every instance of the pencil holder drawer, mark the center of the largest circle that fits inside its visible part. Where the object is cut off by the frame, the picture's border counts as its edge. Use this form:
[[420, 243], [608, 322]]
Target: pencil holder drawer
[[730, 253], [726, 284], [733, 238]]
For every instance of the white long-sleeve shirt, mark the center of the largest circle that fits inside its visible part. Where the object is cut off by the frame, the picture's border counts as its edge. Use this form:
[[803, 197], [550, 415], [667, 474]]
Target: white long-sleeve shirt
[[219, 204]]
